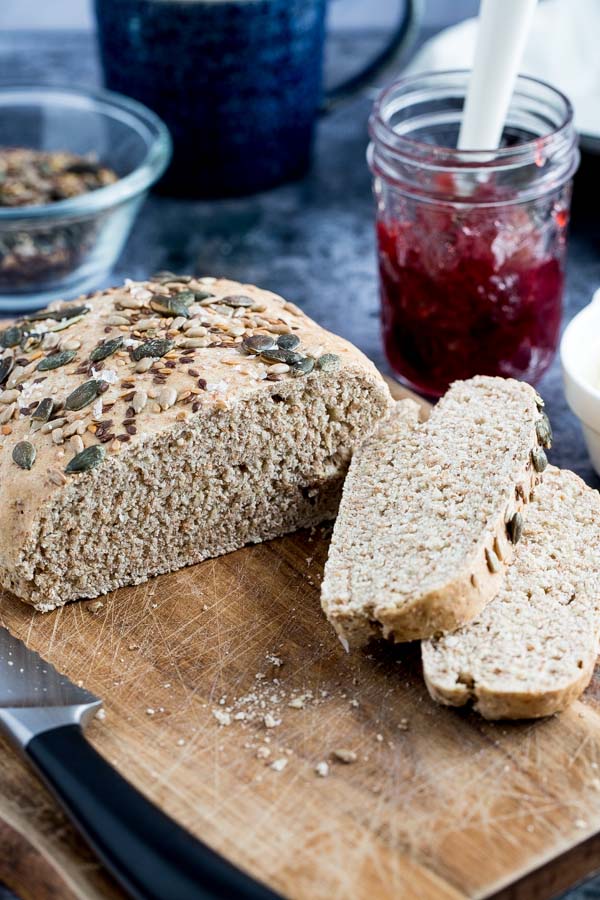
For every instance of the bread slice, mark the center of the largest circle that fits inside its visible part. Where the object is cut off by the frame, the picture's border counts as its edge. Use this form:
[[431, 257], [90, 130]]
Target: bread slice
[[194, 442], [532, 650], [423, 533]]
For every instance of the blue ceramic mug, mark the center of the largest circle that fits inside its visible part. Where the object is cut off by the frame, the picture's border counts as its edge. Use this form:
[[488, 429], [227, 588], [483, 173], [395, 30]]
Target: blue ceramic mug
[[238, 82]]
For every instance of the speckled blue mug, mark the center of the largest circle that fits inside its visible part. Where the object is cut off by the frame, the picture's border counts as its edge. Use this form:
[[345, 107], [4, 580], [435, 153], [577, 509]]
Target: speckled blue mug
[[238, 82]]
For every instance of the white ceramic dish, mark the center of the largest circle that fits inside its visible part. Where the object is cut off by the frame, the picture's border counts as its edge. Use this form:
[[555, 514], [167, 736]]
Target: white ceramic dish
[[580, 359]]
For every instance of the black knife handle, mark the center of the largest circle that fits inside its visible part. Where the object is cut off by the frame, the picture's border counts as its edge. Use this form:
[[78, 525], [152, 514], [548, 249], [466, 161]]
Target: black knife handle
[[146, 851]]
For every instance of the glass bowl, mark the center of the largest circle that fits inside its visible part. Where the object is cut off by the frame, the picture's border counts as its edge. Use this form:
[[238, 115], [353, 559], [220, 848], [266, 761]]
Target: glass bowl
[[66, 248]]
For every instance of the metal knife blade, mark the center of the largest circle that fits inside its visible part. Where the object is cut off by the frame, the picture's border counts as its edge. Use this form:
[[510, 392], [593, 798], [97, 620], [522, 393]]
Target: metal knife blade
[[34, 697]]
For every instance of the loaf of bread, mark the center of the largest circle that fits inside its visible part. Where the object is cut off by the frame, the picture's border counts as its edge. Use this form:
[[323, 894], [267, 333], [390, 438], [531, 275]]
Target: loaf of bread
[[430, 511], [155, 425], [532, 650]]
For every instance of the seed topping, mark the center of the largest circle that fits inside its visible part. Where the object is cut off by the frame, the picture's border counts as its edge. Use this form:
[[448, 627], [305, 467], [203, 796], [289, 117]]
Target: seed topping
[[24, 454]]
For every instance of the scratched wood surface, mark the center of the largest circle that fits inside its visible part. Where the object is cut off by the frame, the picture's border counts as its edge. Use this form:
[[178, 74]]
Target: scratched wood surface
[[438, 803]]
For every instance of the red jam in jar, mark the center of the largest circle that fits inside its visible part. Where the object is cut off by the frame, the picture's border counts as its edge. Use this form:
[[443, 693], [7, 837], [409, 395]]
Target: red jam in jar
[[471, 244]]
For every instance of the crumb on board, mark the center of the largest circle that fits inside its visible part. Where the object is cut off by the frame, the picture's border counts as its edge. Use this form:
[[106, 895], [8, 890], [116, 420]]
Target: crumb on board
[[278, 765], [322, 769]]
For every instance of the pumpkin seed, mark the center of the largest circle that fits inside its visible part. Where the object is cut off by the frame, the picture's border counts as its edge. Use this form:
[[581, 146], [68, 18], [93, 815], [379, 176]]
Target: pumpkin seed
[[6, 367], [56, 360], [303, 367], [41, 413], [493, 563], [82, 395], [236, 301], [539, 459], [167, 277], [288, 341], [87, 459], [186, 297], [543, 429], [156, 347], [202, 295], [284, 356], [514, 528], [329, 362], [57, 314], [11, 337], [258, 343], [170, 306], [24, 454], [65, 323], [106, 349]]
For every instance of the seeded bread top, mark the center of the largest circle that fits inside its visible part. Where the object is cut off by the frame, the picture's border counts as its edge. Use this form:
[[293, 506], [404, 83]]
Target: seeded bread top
[[82, 382], [421, 505], [540, 633]]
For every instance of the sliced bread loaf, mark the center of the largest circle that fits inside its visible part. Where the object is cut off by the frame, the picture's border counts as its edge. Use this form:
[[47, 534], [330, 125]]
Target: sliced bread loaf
[[429, 512], [532, 650], [154, 425]]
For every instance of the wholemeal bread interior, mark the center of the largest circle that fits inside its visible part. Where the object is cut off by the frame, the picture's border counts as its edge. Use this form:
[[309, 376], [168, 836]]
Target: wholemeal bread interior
[[424, 530], [532, 650]]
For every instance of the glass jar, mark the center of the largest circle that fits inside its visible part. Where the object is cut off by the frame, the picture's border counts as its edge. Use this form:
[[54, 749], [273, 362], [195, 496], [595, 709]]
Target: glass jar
[[471, 243]]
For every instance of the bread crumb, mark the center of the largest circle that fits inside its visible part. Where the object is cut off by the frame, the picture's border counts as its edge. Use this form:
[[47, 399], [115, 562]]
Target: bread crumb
[[354, 703], [101, 714], [150, 711], [270, 721], [222, 717], [297, 702], [94, 606], [181, 742], [403, 724], [263, 753], [345, 756], [278, 765], [274, 660], [580, 823], [379, 737], [322, 769]]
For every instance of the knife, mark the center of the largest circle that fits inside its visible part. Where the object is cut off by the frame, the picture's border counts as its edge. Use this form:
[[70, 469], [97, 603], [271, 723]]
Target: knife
[[43, 714]]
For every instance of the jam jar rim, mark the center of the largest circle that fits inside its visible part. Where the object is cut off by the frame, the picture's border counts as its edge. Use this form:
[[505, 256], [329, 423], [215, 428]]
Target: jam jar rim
[[387, 146]]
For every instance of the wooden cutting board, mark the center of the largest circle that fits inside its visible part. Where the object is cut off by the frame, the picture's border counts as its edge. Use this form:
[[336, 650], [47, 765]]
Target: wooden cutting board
[[438, 803]]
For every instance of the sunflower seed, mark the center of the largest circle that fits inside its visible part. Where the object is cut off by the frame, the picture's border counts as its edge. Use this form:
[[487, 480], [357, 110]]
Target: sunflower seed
[[303, 367], [167, 277], [155, 348], [329, 362], [167, 397], [11, 337], [7, 413], [258, 343], [283, 356], [236, 301], [24, 454], [514, 528], [117, 320], [6, 367], [278, 369], [493, 563], [196, 332], [56, 360], [106, 349], [539, 459], [41, 413], [144, 364], [288, 341], [195, 343], [50, 341], [139, 400], [82, 395], [76, 443], [543, 429], [87, 459], [71, 344], [9, 396]]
